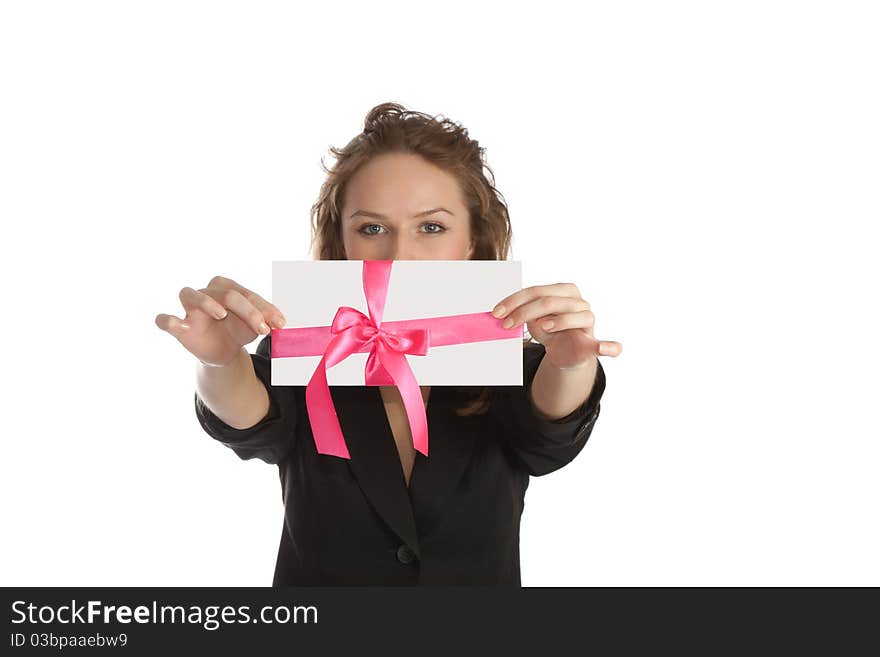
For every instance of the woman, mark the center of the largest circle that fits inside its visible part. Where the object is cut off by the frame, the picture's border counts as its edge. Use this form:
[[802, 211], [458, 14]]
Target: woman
[[410, 187]]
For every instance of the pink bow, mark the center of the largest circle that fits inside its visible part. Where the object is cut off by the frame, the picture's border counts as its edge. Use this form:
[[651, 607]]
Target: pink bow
[[351, 331]]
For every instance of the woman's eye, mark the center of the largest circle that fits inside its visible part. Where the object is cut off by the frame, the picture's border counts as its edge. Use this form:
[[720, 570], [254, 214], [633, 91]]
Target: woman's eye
[[435, 231], [364, 231]]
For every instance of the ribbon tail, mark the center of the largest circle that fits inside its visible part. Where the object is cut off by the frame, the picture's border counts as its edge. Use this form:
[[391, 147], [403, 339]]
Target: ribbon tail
[[322, 414], [397, 365]]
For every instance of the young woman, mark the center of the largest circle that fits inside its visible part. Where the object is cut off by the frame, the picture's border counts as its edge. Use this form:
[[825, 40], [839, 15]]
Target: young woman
[[409, 187]]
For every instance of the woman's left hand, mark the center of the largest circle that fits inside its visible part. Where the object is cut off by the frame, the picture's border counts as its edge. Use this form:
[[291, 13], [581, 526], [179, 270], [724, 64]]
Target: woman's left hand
[[569, 342]]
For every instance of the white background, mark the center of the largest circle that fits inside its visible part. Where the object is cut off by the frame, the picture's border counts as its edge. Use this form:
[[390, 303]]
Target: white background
[[706, 173]]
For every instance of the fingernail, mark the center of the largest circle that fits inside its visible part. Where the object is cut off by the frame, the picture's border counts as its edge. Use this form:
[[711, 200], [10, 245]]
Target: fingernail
[[508, 322], [279, 321], [220, 314], [264, 328], [499, 311], [547, 326], [185, 327]]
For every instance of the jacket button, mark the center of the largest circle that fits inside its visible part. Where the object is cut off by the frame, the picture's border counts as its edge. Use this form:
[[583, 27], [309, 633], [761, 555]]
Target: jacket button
[[405, 554]]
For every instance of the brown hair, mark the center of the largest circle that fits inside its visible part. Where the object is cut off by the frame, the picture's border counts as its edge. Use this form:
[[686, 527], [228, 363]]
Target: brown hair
[[390, 128]]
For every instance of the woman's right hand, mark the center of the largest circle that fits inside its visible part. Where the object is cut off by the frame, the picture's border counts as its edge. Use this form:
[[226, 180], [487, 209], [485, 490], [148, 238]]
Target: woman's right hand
[[220, 320]]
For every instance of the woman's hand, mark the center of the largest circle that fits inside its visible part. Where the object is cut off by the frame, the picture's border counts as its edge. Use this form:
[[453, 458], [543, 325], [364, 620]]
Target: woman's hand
[[220, 320], [569, 342]]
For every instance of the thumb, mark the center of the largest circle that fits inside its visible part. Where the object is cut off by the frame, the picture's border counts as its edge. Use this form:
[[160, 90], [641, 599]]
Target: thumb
[[610, 348], [173, 325]]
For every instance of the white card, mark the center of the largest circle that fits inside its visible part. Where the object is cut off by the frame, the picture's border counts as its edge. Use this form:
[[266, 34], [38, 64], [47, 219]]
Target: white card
[[309, 293]]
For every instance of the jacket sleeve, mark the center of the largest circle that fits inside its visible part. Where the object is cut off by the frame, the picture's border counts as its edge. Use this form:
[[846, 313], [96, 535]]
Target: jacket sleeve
[[539, 445], [271, 439]]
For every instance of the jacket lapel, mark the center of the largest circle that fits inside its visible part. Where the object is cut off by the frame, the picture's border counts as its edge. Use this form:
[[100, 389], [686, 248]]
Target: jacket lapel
[[375, 462]]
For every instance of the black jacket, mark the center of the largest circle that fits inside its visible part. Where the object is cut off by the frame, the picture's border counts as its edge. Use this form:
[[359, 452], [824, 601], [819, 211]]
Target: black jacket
[[355, 522]]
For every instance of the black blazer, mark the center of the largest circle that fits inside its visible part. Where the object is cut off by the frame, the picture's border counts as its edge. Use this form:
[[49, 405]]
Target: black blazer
[[355, 522]]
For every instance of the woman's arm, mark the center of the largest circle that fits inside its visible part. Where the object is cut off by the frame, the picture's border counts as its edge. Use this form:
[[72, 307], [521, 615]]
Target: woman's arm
[[233, 392], [558, 392], [265, 424], [537, 444]]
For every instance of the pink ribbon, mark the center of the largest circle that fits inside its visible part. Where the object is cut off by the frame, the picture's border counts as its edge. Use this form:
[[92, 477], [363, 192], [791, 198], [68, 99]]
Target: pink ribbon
[[387, 343]]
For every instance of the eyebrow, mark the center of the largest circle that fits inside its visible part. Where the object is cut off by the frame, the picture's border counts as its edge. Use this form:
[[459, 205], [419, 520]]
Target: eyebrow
[[374, 215]]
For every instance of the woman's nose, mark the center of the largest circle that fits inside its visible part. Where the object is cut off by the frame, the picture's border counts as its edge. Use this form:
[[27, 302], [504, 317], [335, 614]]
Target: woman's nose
[[403, 250]]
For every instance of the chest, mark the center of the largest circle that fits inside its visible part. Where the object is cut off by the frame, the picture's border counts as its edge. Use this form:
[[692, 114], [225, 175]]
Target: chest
[[399, 424]]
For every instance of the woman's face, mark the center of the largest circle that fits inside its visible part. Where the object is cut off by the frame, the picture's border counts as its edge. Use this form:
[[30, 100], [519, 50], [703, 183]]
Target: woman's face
[[398, 206]]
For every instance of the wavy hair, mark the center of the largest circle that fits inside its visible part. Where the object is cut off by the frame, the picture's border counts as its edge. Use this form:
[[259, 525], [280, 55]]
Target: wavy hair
[[390, 128]]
